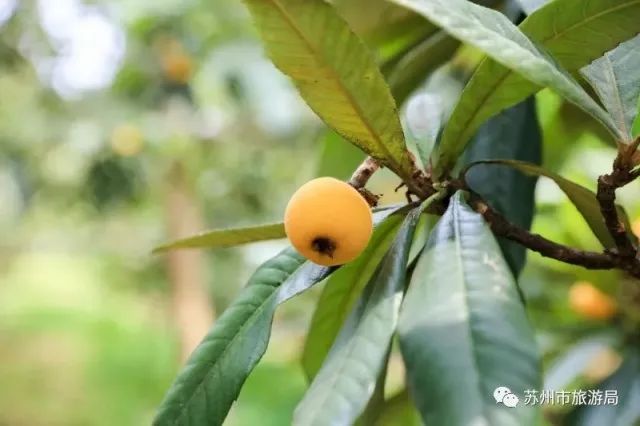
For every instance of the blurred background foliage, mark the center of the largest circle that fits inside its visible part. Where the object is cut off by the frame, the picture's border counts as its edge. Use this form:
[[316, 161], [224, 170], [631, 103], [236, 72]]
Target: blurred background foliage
[[127, 123]]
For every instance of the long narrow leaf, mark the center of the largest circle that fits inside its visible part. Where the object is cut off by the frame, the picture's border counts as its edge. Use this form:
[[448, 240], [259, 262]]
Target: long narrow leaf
[[335, 74], [493, 33], [513, 134], [616, 79], [340, 294], [219, 238], [211, 380], [463, 331], [415, 65], [340, 391], [427, 111], [388, 28], [565, 29]]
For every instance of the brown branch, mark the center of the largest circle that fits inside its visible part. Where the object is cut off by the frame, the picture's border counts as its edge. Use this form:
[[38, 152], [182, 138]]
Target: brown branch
[[361, 176], [607, 185], [363, 173], [502, 227], [620, 176], [419, 184], [547, 248]]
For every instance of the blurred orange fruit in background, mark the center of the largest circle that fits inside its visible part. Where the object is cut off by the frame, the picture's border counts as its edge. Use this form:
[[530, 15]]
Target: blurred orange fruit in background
[[590, 302]]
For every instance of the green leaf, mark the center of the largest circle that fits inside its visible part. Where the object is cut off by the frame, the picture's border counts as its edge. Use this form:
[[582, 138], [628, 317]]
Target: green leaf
[[338, 157], [530, 6], [493, 33], [335, 74], [207, 386], [566, 30], [625, 381], [340, 294], [413, 67], [429, 108], [616, 79], [399, 411], [389, 28], [218, 238], [423, 119], [372, 410], [582, 198], [421, 235], [463, 331], [341, 389], [512, 134]]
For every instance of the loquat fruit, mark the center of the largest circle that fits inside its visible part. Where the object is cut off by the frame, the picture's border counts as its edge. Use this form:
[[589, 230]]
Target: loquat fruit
[[635, 227], [177, 64], [588, 301], [177, 67], [328, 221]]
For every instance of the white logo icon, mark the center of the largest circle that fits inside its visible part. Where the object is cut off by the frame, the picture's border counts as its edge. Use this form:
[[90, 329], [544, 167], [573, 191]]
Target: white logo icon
[[503, 395]]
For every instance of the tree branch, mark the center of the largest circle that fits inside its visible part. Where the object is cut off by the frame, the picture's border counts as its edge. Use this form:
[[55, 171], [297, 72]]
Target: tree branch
[[620, 176], [363, 173], [502, 227], [419, 184], [361, 176], [547, 248]]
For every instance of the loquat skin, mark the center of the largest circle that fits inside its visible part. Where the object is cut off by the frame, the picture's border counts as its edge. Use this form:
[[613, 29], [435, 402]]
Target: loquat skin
[[328, 221], [588, 301]]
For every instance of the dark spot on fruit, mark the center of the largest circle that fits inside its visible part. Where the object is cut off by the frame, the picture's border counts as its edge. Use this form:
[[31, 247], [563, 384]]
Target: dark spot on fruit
[[324, 245]]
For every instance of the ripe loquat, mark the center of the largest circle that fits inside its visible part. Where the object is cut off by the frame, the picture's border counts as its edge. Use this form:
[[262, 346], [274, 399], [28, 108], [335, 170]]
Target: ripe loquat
[[328, 221], [177, 64], [588, 301], [177, 67], [635, 227]]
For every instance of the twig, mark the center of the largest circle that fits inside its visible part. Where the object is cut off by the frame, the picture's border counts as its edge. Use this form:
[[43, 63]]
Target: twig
[[502, 227], [363, 173], [361, 176], [418, 185], [547, 248], [620, 176]]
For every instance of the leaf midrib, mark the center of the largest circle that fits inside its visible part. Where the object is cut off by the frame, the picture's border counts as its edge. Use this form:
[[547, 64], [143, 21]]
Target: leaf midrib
[[203, 239], [390, 158], [508, 72], [591, 18], [474, 355], [250, 320], [613, 79]]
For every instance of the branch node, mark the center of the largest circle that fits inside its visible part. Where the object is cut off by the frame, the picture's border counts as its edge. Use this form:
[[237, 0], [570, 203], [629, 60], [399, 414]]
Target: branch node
[[620, 176]]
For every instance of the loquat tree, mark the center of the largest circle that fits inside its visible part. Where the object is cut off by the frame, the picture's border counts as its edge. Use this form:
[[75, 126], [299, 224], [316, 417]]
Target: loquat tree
[[439, 274]]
